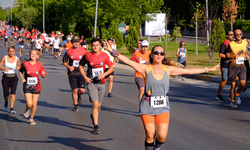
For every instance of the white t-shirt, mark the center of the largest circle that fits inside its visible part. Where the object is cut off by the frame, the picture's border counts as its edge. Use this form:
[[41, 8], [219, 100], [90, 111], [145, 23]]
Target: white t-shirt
[[44, 34], [46, 39], [51, 40], [38, 45], [56, 43]]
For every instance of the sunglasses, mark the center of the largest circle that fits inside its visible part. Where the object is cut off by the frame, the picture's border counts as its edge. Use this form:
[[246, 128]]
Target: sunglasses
[[231, 34], [183, 44], [238, 34], [157, 52]]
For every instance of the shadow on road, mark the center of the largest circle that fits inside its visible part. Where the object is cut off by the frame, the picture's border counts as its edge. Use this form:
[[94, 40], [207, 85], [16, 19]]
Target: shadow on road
[[46, 104], [9, 117], [70, 142], [56, 121], [115, 110]]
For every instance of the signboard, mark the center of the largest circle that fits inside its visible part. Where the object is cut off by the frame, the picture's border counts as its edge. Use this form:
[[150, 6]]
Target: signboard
[[122, 27], [156, 25]]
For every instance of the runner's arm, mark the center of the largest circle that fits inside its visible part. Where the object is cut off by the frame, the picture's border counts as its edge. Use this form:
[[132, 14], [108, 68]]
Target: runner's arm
[[81, 69], [179, 71], [177, 53], [1, 63], [18, 64]]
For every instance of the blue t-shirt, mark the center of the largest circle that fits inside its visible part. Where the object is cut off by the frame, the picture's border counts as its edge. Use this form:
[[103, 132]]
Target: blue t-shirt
[[63, 43]]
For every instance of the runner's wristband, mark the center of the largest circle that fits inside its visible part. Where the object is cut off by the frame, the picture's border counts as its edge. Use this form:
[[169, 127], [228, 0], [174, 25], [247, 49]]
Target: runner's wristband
[[115, 53]]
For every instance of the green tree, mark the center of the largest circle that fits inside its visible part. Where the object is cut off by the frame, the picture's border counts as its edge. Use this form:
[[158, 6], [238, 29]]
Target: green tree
[[27, 16], [242, 8], [132, 38], [3, 14], [217, 38], [198, 17], [113, 32]]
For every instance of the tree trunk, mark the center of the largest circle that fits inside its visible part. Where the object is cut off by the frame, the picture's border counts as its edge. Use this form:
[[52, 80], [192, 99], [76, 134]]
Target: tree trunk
[[100, 31], [166, 39], [210, 61], [196, 36], [232, 25], [176, 34]]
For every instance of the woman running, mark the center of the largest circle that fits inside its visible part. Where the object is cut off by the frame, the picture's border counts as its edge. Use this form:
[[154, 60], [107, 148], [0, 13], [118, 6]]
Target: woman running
[[182, 56], [31, 84], [154, 105], [10, 79]]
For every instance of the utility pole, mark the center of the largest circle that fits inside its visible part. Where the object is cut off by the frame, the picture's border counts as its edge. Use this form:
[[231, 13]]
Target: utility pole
[[96, 10]]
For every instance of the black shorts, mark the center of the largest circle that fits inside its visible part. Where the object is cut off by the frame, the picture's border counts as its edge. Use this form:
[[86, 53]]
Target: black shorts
[[112, 73], [5, 39], [9, 83], [46, 42], [38, 49], [50, 45], [76, 81], [28, 38], [236, 70]]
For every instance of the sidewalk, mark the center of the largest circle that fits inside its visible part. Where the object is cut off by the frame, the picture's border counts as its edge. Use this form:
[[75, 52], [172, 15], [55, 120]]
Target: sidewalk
[[195, 76]]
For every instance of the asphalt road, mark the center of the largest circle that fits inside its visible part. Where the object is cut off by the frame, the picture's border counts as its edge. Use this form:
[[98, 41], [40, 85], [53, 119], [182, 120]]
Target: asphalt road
[[197, 120]]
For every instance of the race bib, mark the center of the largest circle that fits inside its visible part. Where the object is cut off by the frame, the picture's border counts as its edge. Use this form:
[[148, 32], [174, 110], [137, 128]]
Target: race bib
[[20, 39], [75, 63], [6, 37], [32, 80], [240, 61], [14, 36], [143, 62], [182, 54], [85, 46], [96, 72], [158, 101]]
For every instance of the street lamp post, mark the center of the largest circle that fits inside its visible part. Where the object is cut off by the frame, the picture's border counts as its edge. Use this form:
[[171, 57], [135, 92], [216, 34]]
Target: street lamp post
[[43, 17], [95, 17]]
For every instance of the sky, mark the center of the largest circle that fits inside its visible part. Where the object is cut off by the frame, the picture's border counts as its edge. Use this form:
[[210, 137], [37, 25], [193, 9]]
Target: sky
[[5, 2]]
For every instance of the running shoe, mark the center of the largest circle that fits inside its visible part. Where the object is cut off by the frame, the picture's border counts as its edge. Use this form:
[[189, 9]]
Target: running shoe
[[183, 79], [237, 100], [6, 105], [12, 111], [91, 117], [79, 99], [220, 98], [55, 56], [96, 130], [75, 109], [32, 122], [27, 113], [232, 105], [110, 95]]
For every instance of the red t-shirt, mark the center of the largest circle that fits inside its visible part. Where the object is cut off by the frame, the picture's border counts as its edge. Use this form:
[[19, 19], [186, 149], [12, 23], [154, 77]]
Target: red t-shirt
[[96, 65], [28, 34], [52, 34], [30, 70], [74, 56], [141, 58]]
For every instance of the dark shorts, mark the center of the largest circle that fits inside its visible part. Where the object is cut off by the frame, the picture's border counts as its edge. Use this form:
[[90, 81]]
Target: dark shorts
[[38, 49], [76, 81], [5, 39], [184, 63], [224, 74], [139, 82], [236, 70], [28, 38], [50, 44], [112, 73], [46, 42], [56, 49], [9, 83], [30, 89]]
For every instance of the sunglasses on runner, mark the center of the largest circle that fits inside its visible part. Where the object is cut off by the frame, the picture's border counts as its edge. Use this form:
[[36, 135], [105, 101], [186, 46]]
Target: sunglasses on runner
[[238, 34], [157, 52], [231, 34]]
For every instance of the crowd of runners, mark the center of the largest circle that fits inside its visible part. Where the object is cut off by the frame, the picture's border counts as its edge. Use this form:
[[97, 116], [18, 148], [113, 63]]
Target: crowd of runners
[[152, 73]]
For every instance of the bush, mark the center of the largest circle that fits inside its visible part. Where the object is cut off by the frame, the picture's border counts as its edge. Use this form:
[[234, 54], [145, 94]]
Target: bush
[[132, 38]]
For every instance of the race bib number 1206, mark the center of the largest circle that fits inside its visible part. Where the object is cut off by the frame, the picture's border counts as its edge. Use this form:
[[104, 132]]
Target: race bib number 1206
[[96, 72]]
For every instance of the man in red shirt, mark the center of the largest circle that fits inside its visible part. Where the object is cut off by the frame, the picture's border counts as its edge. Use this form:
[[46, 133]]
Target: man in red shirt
[[95, 78]]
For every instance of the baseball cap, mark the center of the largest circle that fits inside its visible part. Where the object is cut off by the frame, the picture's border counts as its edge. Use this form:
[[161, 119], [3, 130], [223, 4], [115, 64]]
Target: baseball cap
[[75, 39], [139, 42], [144, 43], [68, 38]]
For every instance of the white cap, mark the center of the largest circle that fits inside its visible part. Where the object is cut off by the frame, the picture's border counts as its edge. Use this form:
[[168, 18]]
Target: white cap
[[68, 38], [144, 43]]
